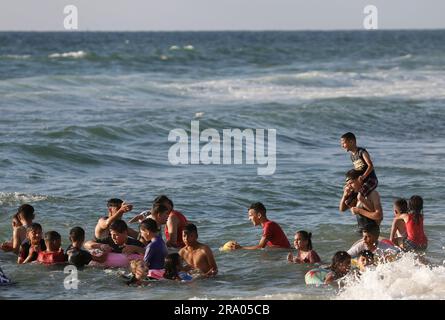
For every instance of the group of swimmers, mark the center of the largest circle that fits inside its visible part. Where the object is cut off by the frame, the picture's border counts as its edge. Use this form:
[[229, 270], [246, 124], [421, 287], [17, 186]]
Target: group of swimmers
[[181, 255]]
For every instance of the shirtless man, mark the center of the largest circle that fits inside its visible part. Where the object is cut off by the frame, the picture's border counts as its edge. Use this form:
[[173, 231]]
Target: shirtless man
[[116, 209], [368, 210], [197, 255]]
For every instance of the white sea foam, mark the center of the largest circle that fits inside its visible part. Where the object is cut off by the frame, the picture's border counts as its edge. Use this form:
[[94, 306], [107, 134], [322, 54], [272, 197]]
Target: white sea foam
[[20, 198], [174, 48], [72, 54], [426, 84], [403, 279], [188, 47], [16, 56]]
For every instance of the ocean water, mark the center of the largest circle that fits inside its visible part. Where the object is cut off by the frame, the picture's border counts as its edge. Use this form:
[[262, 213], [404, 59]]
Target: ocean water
[[86, 116]]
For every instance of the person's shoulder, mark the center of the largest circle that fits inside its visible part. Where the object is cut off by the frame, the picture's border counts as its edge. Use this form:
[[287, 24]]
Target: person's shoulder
[[133, 241]]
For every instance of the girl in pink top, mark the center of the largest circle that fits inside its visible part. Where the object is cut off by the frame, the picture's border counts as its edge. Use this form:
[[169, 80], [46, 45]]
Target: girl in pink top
[[415, 238], [303, 243]]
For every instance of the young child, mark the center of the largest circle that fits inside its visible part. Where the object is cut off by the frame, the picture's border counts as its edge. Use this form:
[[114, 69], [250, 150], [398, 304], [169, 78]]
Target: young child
[[156, 250], [20, 221], [415, 238], [341, 265], [365, 259], [362, 162], [398, 229], [139, 273], [54, 252], [303, 243], [75, 254], [33, 244], [173, 266], [198, 256]]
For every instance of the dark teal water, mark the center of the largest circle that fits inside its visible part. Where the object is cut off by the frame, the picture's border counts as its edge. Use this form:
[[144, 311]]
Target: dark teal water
[[85, 117]]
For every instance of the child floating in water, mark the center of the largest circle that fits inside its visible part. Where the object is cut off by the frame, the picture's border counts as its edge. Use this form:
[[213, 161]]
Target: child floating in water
[[412, 222], [75, 254], [340, 267], [173, 266], [54, 252], [303, 243]]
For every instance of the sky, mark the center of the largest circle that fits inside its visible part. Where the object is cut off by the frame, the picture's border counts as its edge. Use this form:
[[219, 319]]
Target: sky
[[200, 15]]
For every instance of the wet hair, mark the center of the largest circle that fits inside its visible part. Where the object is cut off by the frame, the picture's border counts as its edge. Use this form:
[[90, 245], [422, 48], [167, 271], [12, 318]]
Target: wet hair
[[159, 208], [114, 202], [338, 258], [52, 236], [258, 207], [306, 236], [149, 225], [352, 174], [79, 258], [27, 210], [77, 234], [119, 226], [349, 136], [372, 230], [401, 205], [416, 207], [34, 227], [171, 266], [367, 254], [190, 228], [163, 199]]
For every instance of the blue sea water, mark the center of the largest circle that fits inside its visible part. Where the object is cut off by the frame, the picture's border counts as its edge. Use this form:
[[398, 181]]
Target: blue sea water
[[85, 116]]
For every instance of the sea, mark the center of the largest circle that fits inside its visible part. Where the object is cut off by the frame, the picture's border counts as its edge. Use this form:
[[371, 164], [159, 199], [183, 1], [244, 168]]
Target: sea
[[86, 116]]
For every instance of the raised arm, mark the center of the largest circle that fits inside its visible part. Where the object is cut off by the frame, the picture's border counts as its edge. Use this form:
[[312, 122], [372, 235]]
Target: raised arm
[[346, 193]]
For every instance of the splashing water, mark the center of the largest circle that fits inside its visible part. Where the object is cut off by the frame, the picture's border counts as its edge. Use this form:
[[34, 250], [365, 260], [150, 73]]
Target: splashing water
[[405, 279]]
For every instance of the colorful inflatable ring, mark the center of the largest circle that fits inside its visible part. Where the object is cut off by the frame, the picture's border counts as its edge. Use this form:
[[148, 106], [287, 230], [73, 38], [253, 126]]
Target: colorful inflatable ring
[[316, 276], [117, 260]]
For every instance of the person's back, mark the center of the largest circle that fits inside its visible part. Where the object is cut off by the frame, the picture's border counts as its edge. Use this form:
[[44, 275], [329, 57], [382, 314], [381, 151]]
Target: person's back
[[414, 230], [181, 221], [275, 235]]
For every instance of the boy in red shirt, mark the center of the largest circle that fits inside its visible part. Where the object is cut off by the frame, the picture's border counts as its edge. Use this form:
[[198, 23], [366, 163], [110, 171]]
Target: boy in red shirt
[[273, 236], [53, 253]]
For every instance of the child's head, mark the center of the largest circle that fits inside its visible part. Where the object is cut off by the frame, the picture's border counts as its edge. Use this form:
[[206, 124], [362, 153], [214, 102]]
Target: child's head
[[119, 232], [114, 205], [190, 234], [400, 206], [160, 213], [257, 213], [365, 258], [416, 204], [53, 241], [25, 214], [371, 234], [138, 269], [77, 234], [172, 266], [34, 233], [302, 240], [348, 141], [148, 229], [341, 263]]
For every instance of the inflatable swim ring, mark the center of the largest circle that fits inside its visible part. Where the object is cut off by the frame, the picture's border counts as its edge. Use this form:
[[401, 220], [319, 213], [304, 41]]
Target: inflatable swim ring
[[316, 276], [117, 260]]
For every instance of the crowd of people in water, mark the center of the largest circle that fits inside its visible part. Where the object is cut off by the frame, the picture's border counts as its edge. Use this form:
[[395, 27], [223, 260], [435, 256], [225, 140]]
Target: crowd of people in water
[[182, 257]]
